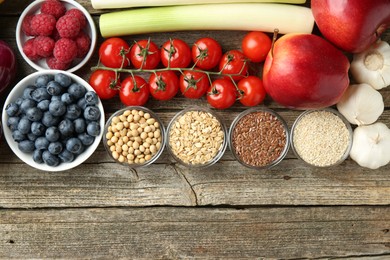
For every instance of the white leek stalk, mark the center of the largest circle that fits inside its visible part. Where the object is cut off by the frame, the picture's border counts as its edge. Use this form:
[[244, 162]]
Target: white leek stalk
[[264, 17], [109, 4]]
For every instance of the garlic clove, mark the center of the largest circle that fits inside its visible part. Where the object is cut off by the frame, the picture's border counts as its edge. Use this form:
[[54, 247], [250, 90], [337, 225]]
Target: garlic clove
[[372, 66], [361, 104], [371, 145]]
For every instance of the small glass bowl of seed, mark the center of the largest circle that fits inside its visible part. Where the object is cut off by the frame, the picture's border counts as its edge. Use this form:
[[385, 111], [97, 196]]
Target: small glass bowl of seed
[[196, 137], [134, 136], [259, 138], [321, 137]]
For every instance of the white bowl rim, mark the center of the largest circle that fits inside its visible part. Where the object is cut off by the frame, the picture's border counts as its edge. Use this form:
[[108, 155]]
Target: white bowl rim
[[27, 158], [91, 23]]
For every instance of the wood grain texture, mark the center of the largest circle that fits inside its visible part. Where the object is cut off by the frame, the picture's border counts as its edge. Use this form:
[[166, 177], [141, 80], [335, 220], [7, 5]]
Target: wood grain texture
[[188, 233]]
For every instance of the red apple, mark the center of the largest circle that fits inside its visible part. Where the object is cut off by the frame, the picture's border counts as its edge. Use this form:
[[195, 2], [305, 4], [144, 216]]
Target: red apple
[[352, 25], [304, 71]]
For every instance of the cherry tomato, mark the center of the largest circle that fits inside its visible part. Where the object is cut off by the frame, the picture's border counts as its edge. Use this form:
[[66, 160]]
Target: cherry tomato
[[222, 93], [134, 91], [163, 85], [256, 45], [145, 54], [115, 53], [206, 53], [251, 90], [234, 62], [104, 83], [175, 53], [193, 84]]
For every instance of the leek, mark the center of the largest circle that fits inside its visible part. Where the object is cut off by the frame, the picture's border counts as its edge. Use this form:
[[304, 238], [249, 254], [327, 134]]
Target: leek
[[105, 4], [247, 17]]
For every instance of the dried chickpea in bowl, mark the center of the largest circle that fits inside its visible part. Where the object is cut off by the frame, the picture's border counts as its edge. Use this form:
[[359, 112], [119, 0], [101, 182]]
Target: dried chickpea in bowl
[[134, 136], [196, 137]]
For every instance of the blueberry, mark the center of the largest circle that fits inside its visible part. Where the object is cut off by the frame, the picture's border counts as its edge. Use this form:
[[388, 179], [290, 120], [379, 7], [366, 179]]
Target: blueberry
[[26, 104], [55, 148], [43, 105], [42, 80], [13, 123], [54, 88], [73, 111], [80, 151], [34, 114], [31, 137], [40, 94], [57, 108], [12, 109], [74, 145], [37, 156], [52, 134], [82, 103], [93, 128], [24, 126], [63, 80], [18, 136], [37, 128], [41, 143], [66, 127], [77, 90], [67, 98], [86, 139], [91, 97], [49, 120], [66, 156], [50, 159], [26, 146], [27, 92], [55, 98], [92, 113], [19, 101], [80, 125]]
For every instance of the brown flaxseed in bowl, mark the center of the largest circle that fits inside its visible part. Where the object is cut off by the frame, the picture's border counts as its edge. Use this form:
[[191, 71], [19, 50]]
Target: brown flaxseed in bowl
[[259, 138]]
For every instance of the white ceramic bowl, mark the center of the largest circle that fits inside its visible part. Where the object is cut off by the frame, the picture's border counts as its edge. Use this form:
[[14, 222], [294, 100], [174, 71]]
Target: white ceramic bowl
[[34, 8], [17, 92]]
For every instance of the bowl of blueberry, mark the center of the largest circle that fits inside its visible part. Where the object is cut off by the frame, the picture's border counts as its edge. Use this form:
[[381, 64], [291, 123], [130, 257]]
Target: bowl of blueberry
[[56, 34], [53, 120]]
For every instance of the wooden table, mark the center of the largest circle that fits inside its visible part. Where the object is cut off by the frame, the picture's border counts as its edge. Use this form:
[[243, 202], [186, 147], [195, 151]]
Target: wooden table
[[103, 210]]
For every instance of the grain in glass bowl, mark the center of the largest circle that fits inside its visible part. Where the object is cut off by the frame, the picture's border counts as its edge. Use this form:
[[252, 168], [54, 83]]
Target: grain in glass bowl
[[196, 137], [322, 137], [259, 138], [134, 136]]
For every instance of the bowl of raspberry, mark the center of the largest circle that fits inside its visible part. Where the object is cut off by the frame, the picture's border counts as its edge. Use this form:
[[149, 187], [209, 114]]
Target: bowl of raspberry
[[56, 34], [53, 120]]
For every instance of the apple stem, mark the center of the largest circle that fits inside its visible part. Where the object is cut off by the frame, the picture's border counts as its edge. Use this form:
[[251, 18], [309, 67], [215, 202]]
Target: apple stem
[[276, 31]]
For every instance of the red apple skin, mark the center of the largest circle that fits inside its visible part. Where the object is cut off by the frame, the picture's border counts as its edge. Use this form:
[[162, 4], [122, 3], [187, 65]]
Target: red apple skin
[[351, 25], [304, 71]]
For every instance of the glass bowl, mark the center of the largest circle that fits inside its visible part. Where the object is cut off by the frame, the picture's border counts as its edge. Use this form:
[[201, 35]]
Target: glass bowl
[[135, 141], [259, 138], [321, 137], [17, 92], [41, 64], [196, 137]]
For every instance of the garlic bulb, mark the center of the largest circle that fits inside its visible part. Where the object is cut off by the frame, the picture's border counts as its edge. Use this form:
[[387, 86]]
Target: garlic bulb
[[371, 145], [361, 104], [372, 66]]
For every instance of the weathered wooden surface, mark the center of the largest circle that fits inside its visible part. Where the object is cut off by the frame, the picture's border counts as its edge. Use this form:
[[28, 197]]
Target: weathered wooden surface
[[103, 210]]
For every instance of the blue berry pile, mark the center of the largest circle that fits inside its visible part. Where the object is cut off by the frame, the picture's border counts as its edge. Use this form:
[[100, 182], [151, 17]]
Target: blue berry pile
[[55, 119]]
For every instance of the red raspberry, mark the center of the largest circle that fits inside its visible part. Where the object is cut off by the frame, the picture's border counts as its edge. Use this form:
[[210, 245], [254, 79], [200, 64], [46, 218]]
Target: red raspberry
[[65, 50], [26, 26], [43, 24], [53, 7], [30, 51], [83, 44], [79, 15], [68, 26], [54, 64], [44, 46]]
